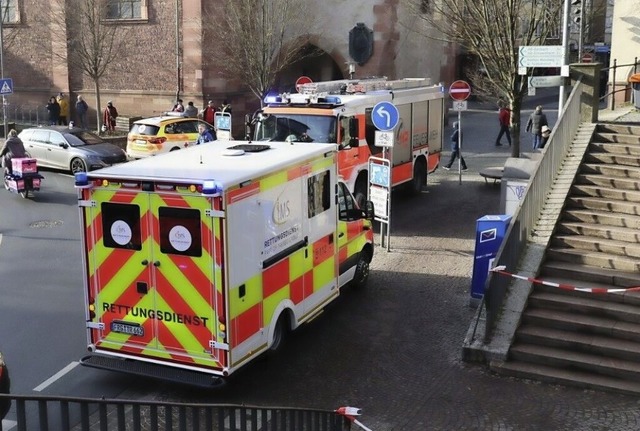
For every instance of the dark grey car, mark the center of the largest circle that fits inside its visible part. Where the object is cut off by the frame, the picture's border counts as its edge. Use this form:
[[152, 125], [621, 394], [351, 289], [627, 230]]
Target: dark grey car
[[75, 149]]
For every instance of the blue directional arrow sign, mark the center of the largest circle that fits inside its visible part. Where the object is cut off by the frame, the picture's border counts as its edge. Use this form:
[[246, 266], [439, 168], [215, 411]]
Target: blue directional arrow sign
[[6, 86], [385, 116]]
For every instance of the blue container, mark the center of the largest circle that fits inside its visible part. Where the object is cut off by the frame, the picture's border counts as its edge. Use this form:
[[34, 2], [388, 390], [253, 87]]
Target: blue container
[[490, 231]]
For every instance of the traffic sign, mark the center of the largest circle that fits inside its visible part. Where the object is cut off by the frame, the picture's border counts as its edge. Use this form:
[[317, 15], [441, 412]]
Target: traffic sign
[[385, 116], [384, 139], [540, 56], [545, 81], [459, 105], [459, 90], [6, 86], [301, 81], [587, 57]]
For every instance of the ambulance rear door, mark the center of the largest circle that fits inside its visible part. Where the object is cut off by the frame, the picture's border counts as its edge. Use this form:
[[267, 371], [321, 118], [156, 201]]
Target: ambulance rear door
[[155, 273]]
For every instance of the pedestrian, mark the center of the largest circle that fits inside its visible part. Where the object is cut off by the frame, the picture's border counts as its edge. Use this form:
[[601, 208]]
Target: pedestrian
[[226, 106], [546, 133], [81, 110], [64, 109], [537, 119], [191, 111], [456, 139], [205, 134], [13, 147], [208, 113], [504, 118], [53, 108], [178, 107], [109, 117]]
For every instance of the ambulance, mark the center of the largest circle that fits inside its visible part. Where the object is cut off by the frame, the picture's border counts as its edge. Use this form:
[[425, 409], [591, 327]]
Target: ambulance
[[341, 112], [198, 261]]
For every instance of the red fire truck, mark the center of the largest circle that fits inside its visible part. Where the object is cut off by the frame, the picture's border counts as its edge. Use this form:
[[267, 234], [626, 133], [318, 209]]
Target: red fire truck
[[340, 112]]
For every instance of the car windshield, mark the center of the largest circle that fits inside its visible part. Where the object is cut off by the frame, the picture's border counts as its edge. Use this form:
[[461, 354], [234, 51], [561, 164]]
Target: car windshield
[[296, 128], [80, 139], [144, 129]]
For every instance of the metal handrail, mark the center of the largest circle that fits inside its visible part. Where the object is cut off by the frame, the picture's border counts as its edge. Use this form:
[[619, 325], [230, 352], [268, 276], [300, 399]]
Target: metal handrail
[[526, 215], [84, 414]]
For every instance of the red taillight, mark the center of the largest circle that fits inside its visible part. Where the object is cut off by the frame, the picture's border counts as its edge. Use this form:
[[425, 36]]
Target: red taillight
[[157, 141]]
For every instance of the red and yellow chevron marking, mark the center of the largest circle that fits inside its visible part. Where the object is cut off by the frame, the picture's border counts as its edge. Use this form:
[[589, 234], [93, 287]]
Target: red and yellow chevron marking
[[181, 309]]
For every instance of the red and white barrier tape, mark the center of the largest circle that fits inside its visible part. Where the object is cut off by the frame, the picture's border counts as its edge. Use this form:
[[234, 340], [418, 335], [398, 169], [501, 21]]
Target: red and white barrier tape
[[350, 413], [501, 270]]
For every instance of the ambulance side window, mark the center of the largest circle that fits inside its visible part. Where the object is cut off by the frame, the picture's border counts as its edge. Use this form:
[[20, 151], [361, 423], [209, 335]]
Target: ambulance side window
[[180, 231], [347, 207], [121, 226], [318, 190]]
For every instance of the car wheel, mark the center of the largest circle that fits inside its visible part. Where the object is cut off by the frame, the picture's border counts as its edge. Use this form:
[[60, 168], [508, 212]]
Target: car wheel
[[174, 149], [361, 277], [279, 333], [78, 165]]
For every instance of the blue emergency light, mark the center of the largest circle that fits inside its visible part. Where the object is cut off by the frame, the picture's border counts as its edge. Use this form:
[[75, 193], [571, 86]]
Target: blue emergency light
[[210, 188], [81, 179]]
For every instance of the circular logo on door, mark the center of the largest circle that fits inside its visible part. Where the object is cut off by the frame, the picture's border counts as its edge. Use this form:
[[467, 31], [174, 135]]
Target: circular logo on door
[[180, 238], [121, 232]]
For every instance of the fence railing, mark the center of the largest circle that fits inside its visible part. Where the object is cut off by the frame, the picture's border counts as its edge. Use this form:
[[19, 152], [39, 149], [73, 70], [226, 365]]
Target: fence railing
[[28, 115], [527, 213], [613, 70], [82, 414]]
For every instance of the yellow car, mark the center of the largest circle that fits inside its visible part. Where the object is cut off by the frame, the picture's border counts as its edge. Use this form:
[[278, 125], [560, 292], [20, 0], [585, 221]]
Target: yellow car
[[157, 135]]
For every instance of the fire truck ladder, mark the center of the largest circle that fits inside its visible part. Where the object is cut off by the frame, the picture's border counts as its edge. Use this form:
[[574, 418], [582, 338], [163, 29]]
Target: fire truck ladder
[[351, 86]]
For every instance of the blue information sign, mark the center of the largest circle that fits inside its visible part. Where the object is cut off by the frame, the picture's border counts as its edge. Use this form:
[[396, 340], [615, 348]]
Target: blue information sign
[[385, 116], [6, 86]]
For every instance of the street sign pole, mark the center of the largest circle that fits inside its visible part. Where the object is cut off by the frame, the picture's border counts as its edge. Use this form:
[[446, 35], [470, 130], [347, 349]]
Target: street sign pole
[[459, 91], [4, 100], [459, 147], [565, 45]]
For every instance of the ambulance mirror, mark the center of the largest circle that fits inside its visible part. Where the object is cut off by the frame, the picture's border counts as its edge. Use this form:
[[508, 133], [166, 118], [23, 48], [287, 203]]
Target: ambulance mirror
[[354, 127], [369, 212]]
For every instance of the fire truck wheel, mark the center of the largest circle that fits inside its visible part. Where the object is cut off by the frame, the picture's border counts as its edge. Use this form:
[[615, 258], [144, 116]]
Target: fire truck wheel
[[279, 333], [419, 176]]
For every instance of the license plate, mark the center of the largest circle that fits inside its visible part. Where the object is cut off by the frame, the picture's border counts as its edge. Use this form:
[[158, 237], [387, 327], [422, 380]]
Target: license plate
[[128, 328], [141, 143]]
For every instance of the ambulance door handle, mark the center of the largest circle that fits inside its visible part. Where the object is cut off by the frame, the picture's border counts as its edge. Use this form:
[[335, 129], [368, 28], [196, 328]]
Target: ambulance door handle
[[156, 263], [145, 262]]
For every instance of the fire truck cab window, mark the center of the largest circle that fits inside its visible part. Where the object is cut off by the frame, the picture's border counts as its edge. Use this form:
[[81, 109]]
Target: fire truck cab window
[[180, 231], [347, 207], [121, 226], [370, 132], [319, 187]]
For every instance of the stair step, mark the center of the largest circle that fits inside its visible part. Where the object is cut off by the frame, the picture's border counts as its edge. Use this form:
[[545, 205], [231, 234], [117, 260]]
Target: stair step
[[612, 159], [601, 217], [607, 181], [586, 305], [624, 349], [610, 193], [603, 204], [625, 129], [588, 276], [565, 376], [610, 170], [595, 259], [616, 143], [596, 244], [614, 367], [600, 231], [578, 322]]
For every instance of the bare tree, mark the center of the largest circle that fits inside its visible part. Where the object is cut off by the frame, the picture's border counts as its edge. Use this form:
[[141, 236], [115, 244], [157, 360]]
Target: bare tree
[[491, 32], [255, 40], [93, 43]]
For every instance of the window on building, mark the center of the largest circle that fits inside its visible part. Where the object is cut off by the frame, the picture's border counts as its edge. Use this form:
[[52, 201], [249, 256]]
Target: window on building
[[126, 9], [10, 11]]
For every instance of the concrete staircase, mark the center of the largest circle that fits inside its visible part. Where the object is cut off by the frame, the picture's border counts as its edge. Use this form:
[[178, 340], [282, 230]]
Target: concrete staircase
[[580, 338]]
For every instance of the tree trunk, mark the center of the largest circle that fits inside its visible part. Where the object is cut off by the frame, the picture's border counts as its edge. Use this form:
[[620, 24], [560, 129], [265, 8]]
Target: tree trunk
[[96, 82], [516, 105]]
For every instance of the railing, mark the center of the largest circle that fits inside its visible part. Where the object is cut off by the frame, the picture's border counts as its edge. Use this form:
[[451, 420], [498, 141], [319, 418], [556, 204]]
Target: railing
[[528, 211], [82, 414], [614, 68], [28, 115]]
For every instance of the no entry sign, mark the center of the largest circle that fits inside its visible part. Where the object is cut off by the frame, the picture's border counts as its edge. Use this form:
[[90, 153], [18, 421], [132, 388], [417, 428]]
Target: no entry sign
[[301, 81], [459, 90]]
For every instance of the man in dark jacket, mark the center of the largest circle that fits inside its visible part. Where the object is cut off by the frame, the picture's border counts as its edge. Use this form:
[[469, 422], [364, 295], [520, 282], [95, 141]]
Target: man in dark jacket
[[13, 147], [536, 120]]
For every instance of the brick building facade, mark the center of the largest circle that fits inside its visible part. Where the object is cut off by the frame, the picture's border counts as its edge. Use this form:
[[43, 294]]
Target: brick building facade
[[164, 56]]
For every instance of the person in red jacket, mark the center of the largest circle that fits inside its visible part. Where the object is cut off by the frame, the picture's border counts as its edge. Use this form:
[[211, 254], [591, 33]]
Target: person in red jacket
[[109, 116], [504, 117], [208, 113]]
